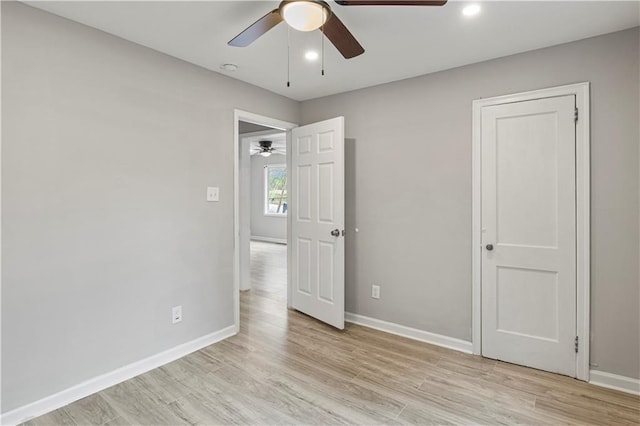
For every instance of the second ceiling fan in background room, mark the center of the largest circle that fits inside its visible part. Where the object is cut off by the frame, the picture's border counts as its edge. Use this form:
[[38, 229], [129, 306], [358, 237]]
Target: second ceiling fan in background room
[[309, 15], [266, 148]]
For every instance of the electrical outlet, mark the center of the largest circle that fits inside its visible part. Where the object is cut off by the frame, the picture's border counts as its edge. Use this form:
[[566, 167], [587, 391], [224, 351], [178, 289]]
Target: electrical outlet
[[375, 291], [213, 193], [176, 314]]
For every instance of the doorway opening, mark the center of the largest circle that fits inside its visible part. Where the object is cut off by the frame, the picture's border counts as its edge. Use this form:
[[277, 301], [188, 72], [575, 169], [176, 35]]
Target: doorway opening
[[263, 210], [261, 204]]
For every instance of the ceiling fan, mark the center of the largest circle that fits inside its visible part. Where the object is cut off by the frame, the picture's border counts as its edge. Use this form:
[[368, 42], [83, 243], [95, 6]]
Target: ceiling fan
[[265, 149], [309, 15]]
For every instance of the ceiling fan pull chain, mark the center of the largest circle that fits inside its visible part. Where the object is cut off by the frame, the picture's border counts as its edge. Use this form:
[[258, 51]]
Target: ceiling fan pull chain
[[322, 49], [288, 56]]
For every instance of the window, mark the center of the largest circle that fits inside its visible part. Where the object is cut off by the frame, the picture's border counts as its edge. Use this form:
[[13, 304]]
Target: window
[[275, 191]]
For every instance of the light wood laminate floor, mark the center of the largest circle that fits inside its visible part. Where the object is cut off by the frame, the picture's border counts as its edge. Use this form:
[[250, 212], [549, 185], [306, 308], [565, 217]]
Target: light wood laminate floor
[[286, 368]]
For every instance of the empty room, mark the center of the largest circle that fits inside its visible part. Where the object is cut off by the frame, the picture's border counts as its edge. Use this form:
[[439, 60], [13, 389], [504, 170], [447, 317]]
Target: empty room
[[320, 212]]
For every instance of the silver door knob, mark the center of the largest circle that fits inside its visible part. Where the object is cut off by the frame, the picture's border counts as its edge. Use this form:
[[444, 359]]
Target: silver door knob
[[335, 232], [489, 247]]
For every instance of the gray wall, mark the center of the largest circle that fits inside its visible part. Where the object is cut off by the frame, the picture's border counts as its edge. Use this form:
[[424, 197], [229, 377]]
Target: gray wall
[[261, 225], [107, 150], [409, 189]]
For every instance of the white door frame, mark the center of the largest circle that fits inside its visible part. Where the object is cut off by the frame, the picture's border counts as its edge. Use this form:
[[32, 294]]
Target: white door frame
[[249, 117], [581, 92]]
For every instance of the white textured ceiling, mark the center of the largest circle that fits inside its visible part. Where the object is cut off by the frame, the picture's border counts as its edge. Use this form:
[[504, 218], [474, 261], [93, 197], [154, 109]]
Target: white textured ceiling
[[400, 42]]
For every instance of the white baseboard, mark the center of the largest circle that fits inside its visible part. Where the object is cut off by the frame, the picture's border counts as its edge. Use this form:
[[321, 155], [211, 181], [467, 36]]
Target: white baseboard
[[614, 381], [96, 384], [268, 239], [411, 333]]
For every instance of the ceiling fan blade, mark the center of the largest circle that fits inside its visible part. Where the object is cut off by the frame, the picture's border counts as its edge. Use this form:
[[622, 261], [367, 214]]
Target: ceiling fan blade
[[391, 2], [258, 28], [341, 38]]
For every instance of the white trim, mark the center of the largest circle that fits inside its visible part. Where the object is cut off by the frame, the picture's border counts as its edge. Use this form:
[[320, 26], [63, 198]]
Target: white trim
[[615, 381], [583, 229], [269, 239], [289, 228], [476, 235], [408, 332], [583, 241], [96, 384], [275, 133], [239, 115], [0, 210]]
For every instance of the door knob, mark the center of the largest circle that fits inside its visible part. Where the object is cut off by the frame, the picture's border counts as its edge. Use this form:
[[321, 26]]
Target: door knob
[[489, 247], [335, 232]]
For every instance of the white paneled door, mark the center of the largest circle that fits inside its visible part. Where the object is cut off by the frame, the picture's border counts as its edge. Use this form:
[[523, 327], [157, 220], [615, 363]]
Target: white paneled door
[[316, 212], [529, 233]]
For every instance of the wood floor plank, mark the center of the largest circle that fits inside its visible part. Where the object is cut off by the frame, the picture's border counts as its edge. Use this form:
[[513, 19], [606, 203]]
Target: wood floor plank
[[118, 421], [348, 414], [431, 415], [434, 398], [207, 408], [92, 410], [138, 406], [57, 417], [165, 387], [271, 398], [396, 363]]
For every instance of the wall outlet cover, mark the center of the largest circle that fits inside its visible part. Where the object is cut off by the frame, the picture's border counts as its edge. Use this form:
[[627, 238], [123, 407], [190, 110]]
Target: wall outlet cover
[[375, 291], [213, 193]]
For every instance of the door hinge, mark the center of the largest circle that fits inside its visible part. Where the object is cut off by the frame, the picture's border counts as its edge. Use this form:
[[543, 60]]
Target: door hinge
[[576, 344], [575, 115]]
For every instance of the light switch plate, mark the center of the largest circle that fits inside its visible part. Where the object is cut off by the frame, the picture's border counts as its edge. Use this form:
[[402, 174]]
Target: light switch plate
[[213, 193], [176, 314]]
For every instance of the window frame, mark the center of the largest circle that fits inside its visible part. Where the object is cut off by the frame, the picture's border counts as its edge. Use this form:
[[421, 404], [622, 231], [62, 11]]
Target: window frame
[[265, 194]]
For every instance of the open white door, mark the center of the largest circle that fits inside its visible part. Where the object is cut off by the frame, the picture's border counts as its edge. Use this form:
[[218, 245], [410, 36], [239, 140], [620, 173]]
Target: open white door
[[316, 212]]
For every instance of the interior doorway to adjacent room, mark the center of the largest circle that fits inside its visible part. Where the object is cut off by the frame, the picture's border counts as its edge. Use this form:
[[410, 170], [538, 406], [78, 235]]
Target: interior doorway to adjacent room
[[263, 205], [306, 195]]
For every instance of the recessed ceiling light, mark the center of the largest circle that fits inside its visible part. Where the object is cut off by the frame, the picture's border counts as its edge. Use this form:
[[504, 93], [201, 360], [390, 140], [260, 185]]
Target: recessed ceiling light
[[229, 67], [471, 10], [311, 55]]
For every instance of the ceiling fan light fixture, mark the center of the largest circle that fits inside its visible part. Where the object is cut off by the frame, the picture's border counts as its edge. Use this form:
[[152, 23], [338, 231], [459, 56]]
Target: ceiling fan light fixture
[[265, 153], [304, 15]]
